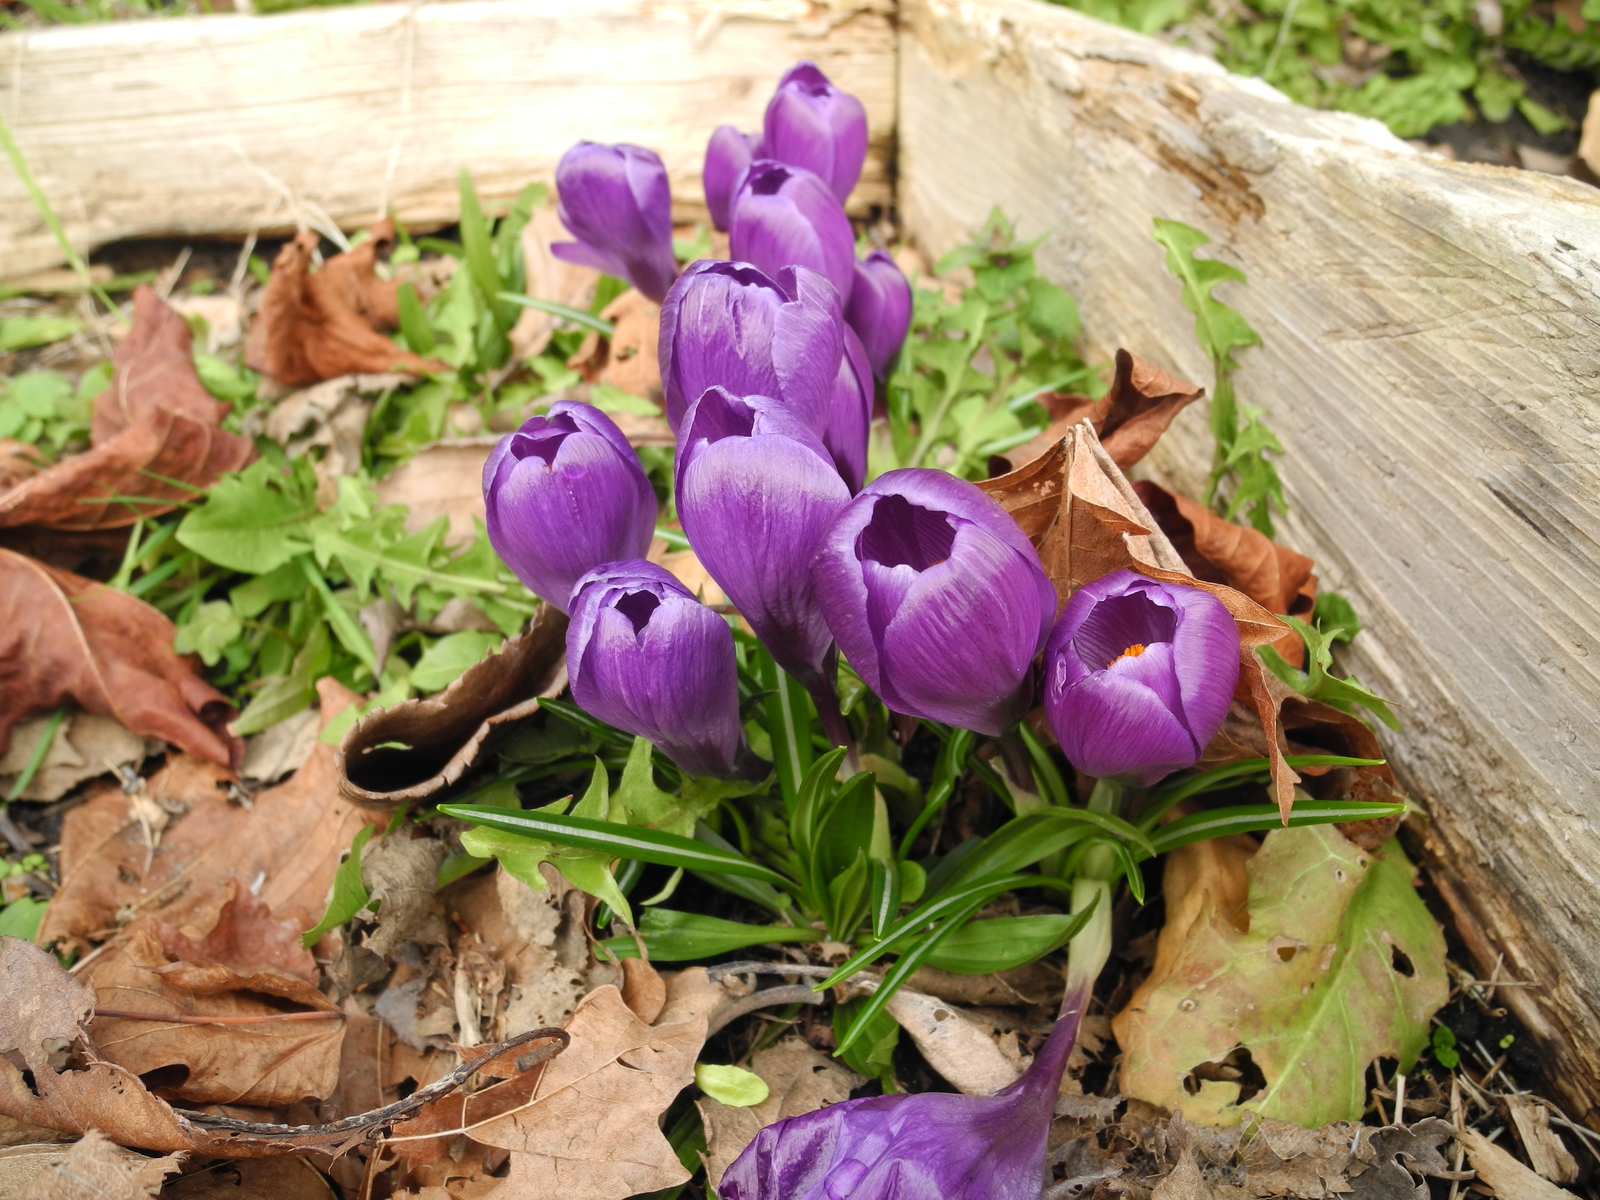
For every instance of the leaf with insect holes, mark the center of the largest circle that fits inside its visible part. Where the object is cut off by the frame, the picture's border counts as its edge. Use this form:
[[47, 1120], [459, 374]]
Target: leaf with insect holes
[[1341, 964]]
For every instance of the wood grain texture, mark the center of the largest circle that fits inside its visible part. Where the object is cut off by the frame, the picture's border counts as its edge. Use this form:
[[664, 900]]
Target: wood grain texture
[[1432, 364], [226, 124]]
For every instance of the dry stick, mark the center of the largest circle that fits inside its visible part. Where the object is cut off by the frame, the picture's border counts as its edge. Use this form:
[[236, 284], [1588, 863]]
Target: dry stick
[[189, 1019], [793, 993], [400, 1108]]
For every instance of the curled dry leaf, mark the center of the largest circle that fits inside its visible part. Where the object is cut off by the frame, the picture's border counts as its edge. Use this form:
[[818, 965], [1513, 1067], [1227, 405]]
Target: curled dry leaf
[[156, 423], [290, 840], [288, 1178], [65, 637], [317, 325], [1337, 962], [1141, 402], [799, 1080], [444, 734], [956, 1045], [209, 1033], [1219, 551]]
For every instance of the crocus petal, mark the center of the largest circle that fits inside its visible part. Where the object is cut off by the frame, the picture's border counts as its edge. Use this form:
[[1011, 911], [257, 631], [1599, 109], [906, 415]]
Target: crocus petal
[[918, 1146], [728, 155], [647, 657], [812, 124], [564, 494], [785, 216], [1109, 725], [880, 309], [850, 413], [809, 346], [616, 201], [756, 490], [1206, 663]]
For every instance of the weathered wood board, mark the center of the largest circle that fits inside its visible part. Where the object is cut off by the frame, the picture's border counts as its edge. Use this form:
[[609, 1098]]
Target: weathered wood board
[[228, 124], [1432, 364]]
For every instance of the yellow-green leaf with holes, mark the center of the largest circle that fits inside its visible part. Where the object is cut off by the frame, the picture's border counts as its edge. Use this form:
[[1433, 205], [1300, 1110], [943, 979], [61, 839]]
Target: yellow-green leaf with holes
[[1341, 964]]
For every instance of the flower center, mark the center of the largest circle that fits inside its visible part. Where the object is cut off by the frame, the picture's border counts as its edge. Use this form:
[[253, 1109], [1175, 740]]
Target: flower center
[[1132, 651], [638, 607], [1120, 627], [721, 415], [544, 441], [769, 181], [905, 534]]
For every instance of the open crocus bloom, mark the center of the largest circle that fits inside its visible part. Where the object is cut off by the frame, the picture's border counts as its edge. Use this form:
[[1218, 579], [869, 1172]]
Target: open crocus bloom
[[924, 1146], [1139, 675], [936, 598]]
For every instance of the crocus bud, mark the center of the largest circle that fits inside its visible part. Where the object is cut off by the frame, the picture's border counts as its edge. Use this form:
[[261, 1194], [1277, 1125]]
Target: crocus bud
[[936, 598], [915, 1146], [850, 416], [616, 202], [785, 216], [756, 489], [729, 154], [727, 324], [563, 494], [812, 124], [880, 309], [1139, 675], [646, 656]]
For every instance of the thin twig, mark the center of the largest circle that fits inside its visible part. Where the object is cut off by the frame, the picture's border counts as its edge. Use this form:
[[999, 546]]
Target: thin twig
[[190, 1019], [791, 993]]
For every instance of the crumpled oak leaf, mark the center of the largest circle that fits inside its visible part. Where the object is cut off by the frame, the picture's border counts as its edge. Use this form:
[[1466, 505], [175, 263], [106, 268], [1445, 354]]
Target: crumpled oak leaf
[[315, 326], [66, 637], [155, 423], [592, 1128], [1339, 963]]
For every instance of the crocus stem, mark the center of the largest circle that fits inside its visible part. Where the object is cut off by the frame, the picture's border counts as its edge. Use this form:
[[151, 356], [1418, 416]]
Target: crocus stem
[[1019, 774], [1091, 946]]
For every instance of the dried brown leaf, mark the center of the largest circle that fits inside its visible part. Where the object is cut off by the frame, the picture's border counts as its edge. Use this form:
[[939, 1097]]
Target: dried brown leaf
[[65, 637], [290, 840], [84, 745], [1219, 551], [256, 1058], [96, 1168], [156, 422], [959, 1046], [246, 938], [400, 870], [445, 734], [632, 363], [1507, 1177], [548, 278], [799, 1080], [593, 1129], [1141, 402], [445, 479], [287, 1178], [1546, 1152], [315, 326]]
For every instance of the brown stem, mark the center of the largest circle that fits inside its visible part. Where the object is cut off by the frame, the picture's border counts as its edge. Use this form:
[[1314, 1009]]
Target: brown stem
[[190, 1019]]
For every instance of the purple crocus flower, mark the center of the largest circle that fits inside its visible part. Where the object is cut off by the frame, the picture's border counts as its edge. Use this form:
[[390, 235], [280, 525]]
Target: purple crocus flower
[[850, 415], [812, 124], [1139, 675], [563, 494], [936, 598], [920, 1146], [880, 309], [615, 200], [728, 324], [756, 489], [729, 154], [785, 216], [646, 656]]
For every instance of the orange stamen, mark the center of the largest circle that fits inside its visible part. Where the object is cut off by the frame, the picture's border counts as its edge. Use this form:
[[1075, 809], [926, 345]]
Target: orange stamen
[[1132, 651]]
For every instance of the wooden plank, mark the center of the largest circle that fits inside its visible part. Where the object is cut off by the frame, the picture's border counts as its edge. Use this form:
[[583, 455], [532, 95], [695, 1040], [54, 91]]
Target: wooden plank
[[1432, 364], [226, 124]]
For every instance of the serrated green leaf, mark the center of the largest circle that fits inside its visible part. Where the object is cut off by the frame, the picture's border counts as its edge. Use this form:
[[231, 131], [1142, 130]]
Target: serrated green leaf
[[1219, 328], [442, 663], [253, 521], [1342, 964], [349, 895], [1317, 683]]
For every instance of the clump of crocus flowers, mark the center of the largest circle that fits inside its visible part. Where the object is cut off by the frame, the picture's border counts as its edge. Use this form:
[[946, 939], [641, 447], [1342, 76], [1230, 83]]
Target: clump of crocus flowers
[[923, 582]]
